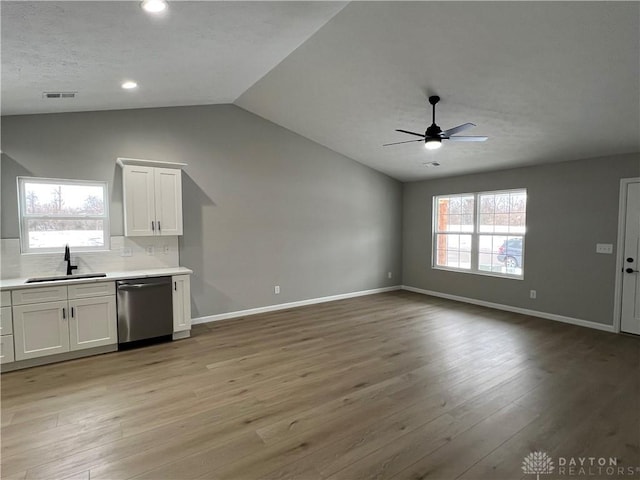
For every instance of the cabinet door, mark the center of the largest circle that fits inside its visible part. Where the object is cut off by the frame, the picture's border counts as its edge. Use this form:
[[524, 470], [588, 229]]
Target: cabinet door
[[168, 196], [40, 329], [92, 322], [181, 303], [6, 349], [139, 201], [6, 321]]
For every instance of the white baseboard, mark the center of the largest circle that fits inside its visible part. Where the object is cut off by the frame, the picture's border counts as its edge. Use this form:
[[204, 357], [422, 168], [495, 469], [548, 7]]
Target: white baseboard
[[284, 306], [509, 308]]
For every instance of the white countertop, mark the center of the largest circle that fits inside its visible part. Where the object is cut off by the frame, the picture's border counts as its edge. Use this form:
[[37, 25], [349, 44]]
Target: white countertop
[[15, 283]]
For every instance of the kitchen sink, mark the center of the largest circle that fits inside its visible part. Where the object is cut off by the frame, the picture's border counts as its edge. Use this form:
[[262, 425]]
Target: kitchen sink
[[58, 278]]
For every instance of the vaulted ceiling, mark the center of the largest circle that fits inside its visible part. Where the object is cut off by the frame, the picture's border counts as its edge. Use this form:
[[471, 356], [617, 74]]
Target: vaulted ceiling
[[546, 81]]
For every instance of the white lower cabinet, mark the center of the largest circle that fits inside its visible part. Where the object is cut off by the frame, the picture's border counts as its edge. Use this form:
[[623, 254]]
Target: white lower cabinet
[[181, 303], [49, 328], [92, 322], [6, 328], [6, 349], [40, 329]]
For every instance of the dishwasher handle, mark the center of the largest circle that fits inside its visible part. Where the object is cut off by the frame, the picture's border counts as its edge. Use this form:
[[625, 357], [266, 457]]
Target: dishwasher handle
[[136, 286]]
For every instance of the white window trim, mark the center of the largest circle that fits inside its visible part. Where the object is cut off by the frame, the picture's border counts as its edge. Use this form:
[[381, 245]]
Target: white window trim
[[23, 217], [475, 234]]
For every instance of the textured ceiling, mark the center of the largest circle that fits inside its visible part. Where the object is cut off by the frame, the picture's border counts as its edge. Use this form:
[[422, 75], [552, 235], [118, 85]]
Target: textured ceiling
[[546, 81], [196, 53]]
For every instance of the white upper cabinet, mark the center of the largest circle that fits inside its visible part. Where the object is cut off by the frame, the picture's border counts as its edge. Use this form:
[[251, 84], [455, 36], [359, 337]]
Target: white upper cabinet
[[152, 198], [168, 201], [139, 201]]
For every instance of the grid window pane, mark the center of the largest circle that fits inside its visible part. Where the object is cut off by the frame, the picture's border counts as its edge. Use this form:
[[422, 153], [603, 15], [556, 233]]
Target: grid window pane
[[455, 214], [453, 251], [496, 246]]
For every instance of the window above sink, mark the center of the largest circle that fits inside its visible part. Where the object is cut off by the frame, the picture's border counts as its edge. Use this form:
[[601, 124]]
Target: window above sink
[[55, 212]]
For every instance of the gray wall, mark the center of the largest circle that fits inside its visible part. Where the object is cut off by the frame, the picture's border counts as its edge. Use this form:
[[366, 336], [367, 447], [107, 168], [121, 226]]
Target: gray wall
[[571, 206], [262, 205]]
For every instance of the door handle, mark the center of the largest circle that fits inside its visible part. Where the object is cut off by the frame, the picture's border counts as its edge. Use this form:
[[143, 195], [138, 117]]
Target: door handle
[[631, 270], [136, 286]]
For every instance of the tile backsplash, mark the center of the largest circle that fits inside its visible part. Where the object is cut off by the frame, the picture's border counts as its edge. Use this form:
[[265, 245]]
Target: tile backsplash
[[146, 252]]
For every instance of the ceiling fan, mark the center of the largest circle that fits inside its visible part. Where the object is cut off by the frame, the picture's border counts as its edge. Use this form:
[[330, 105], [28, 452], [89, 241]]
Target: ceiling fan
[[434, 135]]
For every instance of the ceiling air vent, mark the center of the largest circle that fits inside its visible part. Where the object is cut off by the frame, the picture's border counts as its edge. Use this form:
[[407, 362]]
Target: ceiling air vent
[[54, 95]]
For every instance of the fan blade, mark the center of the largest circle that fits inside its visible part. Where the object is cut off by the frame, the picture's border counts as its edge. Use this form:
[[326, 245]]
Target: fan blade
[[459, 128], [411, 133], [468, 139], [398, 143]]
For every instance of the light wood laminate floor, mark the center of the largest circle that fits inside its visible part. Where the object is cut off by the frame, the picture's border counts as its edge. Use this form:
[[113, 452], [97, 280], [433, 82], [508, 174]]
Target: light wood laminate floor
[[395, 385]]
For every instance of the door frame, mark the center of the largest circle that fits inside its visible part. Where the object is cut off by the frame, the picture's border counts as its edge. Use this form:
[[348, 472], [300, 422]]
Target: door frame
[[622, 220]]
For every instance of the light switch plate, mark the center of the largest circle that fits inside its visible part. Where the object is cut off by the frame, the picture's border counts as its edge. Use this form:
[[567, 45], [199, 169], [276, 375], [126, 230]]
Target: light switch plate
[[604, 248]]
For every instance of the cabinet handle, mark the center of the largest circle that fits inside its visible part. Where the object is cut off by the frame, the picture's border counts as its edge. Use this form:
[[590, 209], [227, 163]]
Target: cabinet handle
[[153, 226], [159, 229], [64, 313], [175, 286], [72, 312]]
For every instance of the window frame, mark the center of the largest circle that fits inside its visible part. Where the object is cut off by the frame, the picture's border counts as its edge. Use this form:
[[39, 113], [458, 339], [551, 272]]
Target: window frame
[[23, 217], [475, 235]]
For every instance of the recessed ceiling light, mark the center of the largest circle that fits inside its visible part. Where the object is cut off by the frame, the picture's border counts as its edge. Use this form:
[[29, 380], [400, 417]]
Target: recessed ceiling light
[[154, 6], [128, 85]]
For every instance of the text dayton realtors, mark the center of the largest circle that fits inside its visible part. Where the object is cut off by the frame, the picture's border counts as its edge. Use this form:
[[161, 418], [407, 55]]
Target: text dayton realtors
[[593, 466]]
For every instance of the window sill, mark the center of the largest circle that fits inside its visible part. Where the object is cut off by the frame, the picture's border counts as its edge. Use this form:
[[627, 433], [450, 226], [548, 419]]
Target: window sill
[[479, 272]]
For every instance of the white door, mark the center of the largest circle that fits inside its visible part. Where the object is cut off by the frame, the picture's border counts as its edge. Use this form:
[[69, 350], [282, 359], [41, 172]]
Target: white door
[[168, 195], [139, 201], [630, 318], [40, 329], [181, 303], [92, 322]]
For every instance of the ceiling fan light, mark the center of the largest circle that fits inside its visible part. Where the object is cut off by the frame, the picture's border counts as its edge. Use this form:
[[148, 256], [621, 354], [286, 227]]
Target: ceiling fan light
[[432, 143], [154, 6]]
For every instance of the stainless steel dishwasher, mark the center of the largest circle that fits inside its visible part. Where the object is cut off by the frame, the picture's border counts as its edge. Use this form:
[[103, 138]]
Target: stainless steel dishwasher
[[145, 310]]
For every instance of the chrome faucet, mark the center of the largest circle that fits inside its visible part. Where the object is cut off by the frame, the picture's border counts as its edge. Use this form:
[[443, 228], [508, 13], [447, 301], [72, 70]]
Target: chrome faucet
[[67, 258]]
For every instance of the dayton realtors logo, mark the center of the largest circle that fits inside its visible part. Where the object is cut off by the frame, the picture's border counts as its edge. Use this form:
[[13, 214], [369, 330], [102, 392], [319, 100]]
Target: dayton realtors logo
[[538, 463]]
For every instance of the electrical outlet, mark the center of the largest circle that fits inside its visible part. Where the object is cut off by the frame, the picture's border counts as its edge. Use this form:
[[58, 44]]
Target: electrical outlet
[[165, 249], [276, 289], [149, 250], [389, 275], [604, 248], [533, 294], [126, 252]]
